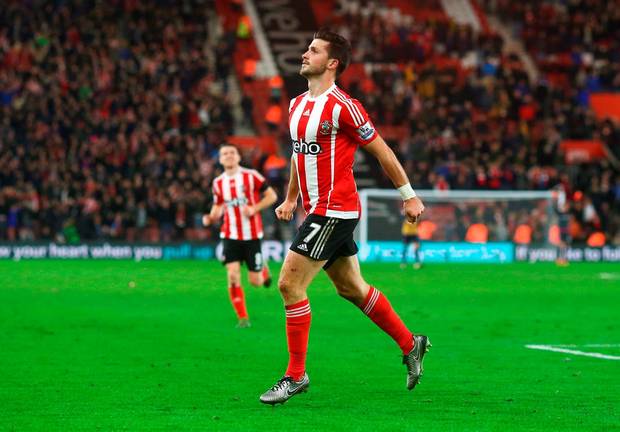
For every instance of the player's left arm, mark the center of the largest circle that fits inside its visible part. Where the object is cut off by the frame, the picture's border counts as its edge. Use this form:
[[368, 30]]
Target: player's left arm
[[412, 204], [269, 195], [268, 199]]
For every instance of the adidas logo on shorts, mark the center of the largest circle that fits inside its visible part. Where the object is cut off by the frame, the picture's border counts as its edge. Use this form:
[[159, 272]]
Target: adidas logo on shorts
[[303, 247]]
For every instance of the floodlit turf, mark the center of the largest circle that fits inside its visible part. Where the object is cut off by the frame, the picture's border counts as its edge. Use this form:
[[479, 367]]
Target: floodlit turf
[[82, 350]]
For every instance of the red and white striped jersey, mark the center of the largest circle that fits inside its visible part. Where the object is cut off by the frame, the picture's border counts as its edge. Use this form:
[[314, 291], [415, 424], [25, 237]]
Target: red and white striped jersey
[[234, 192], [325, 132]]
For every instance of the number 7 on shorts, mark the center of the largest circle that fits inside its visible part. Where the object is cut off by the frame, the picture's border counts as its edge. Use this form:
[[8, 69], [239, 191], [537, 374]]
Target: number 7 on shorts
[[315, 229]]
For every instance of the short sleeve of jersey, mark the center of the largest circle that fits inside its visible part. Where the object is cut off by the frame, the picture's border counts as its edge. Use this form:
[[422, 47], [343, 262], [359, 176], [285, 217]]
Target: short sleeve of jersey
[[354, 121], [260, 183], [218, 199]]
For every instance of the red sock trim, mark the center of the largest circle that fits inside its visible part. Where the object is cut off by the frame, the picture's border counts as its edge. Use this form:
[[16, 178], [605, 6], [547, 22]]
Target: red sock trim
[[370, 300], [377, 307], [298, 309]]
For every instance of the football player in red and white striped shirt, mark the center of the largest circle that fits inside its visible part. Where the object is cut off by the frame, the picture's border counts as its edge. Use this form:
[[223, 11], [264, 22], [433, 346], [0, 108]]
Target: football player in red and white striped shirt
[[327, 127], [237, 196]]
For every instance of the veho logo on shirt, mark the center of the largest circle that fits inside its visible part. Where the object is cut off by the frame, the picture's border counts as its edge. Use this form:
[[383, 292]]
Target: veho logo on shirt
[[308, 148]]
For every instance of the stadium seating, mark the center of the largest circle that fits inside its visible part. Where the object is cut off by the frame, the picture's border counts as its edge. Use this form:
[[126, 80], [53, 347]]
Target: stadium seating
[[110, 131]]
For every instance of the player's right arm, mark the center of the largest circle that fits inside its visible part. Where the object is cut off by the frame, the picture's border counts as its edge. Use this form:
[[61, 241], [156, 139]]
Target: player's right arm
[[286, 210], [412, 204], [214, 215], [218, 206], [355, 122]]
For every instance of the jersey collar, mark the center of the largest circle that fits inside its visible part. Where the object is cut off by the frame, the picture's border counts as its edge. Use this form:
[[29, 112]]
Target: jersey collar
[[326, 92]]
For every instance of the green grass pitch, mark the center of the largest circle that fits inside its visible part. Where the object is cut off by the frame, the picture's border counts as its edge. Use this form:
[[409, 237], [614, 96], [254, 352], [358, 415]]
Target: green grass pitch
[[82, 350]]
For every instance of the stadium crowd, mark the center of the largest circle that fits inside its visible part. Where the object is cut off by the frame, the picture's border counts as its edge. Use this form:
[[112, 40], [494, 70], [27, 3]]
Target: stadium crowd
[[110, 130], [110, 116], [574, 42]]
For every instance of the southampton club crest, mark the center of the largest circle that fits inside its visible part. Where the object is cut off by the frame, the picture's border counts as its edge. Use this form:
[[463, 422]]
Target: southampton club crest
[[326, 128]]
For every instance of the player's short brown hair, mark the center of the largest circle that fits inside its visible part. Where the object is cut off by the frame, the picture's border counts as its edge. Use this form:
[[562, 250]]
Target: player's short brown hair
[[226, 144], [339, 48]]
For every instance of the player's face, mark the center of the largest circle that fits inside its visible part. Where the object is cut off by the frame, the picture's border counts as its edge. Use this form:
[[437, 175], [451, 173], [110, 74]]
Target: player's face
[[315, 60], [229, 157]]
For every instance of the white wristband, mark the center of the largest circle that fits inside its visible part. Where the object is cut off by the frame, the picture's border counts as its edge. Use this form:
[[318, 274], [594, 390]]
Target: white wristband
[[406, 192]]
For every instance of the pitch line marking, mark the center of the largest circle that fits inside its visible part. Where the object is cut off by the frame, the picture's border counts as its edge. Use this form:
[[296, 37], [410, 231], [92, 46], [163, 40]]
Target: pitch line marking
[[615, 345], [573, 352]]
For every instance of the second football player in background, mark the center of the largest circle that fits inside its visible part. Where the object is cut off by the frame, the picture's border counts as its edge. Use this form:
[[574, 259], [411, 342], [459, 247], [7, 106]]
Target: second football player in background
[[239, 194]]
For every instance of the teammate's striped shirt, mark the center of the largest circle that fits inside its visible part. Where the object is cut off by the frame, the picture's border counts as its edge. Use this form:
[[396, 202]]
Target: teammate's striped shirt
[[234, 192], [325, 132]]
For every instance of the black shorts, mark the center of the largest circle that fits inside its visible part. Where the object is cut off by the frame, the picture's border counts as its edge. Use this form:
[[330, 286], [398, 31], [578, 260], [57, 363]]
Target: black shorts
[[248, 251], [564, 227], [323, 238], [411, 239]]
